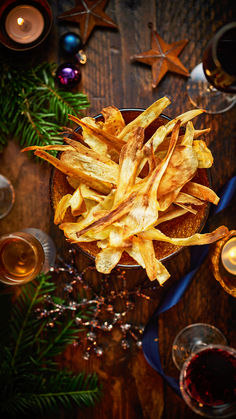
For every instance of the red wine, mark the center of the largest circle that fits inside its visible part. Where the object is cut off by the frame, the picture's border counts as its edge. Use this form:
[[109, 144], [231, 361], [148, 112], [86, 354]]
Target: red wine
[[210, 377], [219, 61]]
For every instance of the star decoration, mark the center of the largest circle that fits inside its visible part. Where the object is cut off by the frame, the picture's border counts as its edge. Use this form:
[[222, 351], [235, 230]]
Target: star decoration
[[162, 57], [88, 14]]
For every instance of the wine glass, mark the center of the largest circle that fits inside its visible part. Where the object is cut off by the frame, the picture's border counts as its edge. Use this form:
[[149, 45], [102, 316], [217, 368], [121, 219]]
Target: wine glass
[[24, 254], [7, 196], [212, 83], [207, 370]]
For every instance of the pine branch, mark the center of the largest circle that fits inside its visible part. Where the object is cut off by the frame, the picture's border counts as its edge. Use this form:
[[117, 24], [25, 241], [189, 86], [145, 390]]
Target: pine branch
[[32, 108], [62, 390], [25, 321], [29, 377]]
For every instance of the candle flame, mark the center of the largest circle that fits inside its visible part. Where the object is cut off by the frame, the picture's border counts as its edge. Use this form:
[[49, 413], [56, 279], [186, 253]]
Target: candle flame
[[232, 255], [228, 256], [20, 21]]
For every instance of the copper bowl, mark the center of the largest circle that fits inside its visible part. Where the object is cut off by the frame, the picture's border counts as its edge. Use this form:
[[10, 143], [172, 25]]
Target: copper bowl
[[183, 226]]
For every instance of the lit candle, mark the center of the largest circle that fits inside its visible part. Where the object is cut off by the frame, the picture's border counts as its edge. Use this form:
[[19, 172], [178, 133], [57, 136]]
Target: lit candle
[[24, 24], [228, 256]]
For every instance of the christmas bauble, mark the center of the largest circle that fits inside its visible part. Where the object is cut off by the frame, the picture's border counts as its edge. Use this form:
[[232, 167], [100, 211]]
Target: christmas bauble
[[71, 43], [68, 75]]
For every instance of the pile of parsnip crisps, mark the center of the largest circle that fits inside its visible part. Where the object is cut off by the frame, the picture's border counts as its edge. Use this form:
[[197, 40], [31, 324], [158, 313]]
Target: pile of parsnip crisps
[[112, 203]]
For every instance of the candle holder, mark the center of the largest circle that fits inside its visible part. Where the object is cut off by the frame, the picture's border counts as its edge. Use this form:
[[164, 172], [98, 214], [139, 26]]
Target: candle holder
[[226, 279], [19, 34]]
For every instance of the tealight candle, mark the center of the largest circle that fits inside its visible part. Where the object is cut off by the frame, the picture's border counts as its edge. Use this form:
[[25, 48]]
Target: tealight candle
[[228, 256], [24, 24]]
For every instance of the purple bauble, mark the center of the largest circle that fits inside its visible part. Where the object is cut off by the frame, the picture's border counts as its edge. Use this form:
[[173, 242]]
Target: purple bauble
[[68, 75]]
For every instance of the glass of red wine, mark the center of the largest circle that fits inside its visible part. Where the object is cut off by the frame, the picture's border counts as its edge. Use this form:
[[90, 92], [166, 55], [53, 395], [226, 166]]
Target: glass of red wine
[[207, 370], [212, 83]]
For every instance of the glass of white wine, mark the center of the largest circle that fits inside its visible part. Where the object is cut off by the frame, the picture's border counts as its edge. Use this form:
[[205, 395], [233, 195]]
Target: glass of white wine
[[24, 254]]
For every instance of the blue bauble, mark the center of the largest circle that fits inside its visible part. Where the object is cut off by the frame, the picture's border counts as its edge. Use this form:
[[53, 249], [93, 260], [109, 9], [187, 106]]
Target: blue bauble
[[71, 43], [68, 75]]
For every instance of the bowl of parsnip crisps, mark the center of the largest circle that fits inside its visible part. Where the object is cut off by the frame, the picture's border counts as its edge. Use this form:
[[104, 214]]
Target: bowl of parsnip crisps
[[130, 187]]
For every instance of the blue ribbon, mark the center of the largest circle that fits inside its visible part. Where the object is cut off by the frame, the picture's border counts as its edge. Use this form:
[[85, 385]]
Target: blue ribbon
[[150, 342]]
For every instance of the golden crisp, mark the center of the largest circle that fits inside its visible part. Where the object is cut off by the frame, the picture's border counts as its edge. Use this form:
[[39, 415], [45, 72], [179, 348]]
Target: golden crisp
[[126, 184]]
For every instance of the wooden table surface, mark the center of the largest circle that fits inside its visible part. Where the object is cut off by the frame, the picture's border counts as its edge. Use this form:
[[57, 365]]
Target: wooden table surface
[[131, 388]]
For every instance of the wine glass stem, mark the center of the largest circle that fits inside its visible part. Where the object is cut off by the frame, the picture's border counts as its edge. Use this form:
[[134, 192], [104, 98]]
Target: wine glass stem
[[197, 346]]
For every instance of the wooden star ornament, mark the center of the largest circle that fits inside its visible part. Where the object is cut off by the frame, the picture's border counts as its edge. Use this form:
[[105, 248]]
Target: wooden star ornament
[[162, 57], [88, 14]]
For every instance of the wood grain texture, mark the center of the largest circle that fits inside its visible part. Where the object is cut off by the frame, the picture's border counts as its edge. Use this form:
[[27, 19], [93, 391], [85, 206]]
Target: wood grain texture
[[131, 388]]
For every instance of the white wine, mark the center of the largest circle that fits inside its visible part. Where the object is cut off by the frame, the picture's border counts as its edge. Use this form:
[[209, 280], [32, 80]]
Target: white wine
[[21, 258]]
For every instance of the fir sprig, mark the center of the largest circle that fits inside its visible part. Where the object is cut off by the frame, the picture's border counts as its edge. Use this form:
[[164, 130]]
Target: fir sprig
[[30, 379], [33, 109]]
